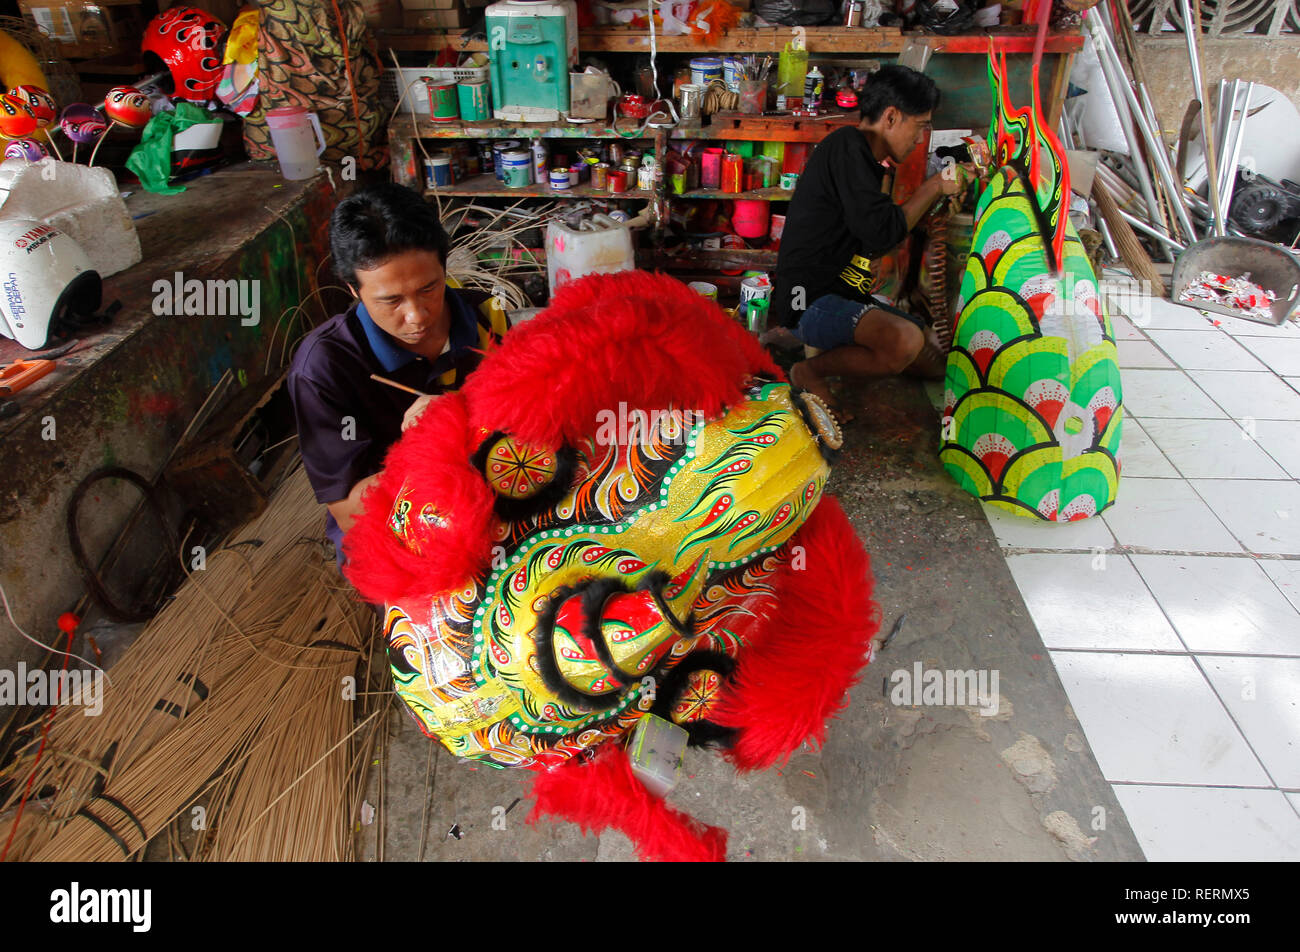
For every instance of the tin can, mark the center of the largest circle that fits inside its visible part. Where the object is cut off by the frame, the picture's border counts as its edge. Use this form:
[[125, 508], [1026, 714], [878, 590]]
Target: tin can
[[485, 159], [517, 168], [560, 179], [705, 69], [733, 171], [731, 69], [711, 168], [705, 289], [617, 181], [473, 100], [499, 149], [789, 180], [575, 175], [442, 102], [645, 178], [778, 227], [691, 99], [615, 153], [600, 175]]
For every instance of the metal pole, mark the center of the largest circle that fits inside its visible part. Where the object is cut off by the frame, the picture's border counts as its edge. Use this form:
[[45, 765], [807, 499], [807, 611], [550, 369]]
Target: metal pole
[[1142, 226], [1192, 24], [1231, 185], [1227, 109], [1154, 147], [1105, 236], [1125, 121]]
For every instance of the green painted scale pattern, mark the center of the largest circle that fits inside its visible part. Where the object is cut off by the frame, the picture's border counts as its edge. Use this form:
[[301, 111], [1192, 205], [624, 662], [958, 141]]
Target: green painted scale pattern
[[1033, 406]]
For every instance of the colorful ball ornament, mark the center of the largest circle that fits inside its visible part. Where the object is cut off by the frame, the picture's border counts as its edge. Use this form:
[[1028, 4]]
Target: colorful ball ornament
[[128, 106], [28, 149], [16, 117], [40, 102], [81, 123]]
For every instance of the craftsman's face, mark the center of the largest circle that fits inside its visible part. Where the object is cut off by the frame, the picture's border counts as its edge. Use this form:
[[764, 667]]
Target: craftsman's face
[[404, 295], [903, 133]]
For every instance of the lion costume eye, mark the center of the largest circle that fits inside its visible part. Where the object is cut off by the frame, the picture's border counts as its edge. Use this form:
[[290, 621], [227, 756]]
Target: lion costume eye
[[525, 478]]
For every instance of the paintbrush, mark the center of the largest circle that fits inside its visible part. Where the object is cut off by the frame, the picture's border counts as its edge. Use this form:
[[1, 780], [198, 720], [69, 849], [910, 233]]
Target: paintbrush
[[399, 386]]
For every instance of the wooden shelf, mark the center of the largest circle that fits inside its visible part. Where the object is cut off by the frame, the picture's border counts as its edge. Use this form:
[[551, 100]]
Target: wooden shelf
[[487, 186], [738, 126], [821, 39], [691, 259], [761, 194], [424, 128]]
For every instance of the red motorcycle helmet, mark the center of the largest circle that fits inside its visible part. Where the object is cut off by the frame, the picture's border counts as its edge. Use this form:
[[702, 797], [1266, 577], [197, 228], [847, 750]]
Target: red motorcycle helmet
[[189, 43]]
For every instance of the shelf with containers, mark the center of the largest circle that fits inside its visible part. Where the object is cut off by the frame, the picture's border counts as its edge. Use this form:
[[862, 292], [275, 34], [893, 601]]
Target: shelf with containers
[[965, 104]]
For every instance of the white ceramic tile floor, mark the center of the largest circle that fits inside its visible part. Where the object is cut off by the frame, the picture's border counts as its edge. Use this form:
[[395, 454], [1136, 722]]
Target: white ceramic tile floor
[[1166, 393], [1212, 824], [1282, 354], [1166, 515], [1212, 449], [1091, 601], [1138, 456], [1222, 604], [1263, 514], [1141, 354], [1263, 697], [1204, 350], [1123, 639], [1155, 719], [1262, 396]]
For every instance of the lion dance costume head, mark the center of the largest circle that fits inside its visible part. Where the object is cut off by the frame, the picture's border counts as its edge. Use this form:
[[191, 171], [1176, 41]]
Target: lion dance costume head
[[620, 514]]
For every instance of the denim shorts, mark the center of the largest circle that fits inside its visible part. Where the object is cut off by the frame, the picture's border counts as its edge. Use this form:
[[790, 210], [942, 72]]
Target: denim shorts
[[831, 320]]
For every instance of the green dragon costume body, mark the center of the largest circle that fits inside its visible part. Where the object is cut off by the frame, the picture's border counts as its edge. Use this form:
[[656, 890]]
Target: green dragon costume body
[[1033, 406]]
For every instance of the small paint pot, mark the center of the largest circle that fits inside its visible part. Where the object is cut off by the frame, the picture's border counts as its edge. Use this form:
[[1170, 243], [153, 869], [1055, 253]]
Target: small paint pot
[[560, 180], [789, 180], [442, 102], [600, 175], [517, 168], [499, 149], [473, 101], [437, 171], [733, 173], [704, 289], [617, 181]]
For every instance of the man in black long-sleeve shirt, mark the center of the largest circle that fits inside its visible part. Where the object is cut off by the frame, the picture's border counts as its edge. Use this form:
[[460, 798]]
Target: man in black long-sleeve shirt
[[839, 219]]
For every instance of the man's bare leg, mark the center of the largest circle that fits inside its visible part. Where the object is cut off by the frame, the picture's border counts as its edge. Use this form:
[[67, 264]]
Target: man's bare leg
[[883, 344]]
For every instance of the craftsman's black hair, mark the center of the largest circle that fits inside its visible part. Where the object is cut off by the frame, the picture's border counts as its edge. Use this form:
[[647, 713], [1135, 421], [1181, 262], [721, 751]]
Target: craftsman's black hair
[[379, 222], [908, 91]]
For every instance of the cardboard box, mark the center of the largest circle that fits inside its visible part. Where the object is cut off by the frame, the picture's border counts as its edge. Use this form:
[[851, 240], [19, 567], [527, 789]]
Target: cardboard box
[[84, 30], [432, 19]]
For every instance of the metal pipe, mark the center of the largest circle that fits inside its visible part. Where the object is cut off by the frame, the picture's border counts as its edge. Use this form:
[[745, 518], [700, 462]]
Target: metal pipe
[[1105, 236], [1228, 109], [1125, 119], [1142, 226], [1192, 26], [1231, 186], [1154, 147]]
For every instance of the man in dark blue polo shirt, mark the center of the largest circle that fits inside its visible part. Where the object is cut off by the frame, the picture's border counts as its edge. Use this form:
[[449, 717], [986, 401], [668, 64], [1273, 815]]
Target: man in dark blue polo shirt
[[408, 326]]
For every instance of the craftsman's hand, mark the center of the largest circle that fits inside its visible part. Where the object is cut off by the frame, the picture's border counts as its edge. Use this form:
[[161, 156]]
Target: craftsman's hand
[[954, 178], [413, 413]]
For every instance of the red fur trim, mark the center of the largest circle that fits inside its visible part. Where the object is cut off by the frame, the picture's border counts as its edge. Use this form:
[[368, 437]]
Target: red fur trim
[[799, 663], [646, 340], [605, 793], [432, 459]]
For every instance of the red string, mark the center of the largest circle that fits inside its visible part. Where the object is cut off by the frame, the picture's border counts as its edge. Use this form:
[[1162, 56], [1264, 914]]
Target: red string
[[352, 85]]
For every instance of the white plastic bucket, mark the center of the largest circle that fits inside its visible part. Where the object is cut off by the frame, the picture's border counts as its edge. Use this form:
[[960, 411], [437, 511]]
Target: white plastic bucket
[[298, 141]]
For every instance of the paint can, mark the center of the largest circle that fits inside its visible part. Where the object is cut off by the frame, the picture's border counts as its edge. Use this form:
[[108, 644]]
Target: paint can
[[473, 99], [757, 288], [733, 171], [731, 70], [704, 289], [499, 149], [789, 180], [617, 181], [437, 170], [711, 168], [778, 227], [560, 180], [517, 168], [705, 69], [442, 102], [600, 175], [575, 175]]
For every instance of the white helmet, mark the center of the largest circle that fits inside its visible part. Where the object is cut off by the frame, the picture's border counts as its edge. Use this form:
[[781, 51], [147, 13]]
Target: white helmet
[[44, 275]]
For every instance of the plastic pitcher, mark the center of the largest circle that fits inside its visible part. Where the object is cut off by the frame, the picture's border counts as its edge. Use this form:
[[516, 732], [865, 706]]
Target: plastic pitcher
[[298, 141]]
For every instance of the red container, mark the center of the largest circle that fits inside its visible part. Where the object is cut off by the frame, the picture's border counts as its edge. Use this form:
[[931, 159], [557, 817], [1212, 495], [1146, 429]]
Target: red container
[[617, 181], [711, 168], [633, 106], [751, 218], [733, 171]]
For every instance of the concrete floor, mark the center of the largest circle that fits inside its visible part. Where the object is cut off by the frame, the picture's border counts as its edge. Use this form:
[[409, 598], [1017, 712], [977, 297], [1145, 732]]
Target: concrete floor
[[892, 782]]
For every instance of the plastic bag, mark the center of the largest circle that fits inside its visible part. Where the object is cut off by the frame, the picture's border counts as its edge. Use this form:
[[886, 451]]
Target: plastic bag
[[797, 12], [151, 160]]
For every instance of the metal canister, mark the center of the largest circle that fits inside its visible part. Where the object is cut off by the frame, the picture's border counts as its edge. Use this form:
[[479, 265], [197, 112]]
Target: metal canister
[[600, 175], [560, 179], [442, 102], [499, 149], [692, 98], [575, 175], [617, 181], [645, 178], [473, 100], [615, 153], [517, 168], [733, 171]]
